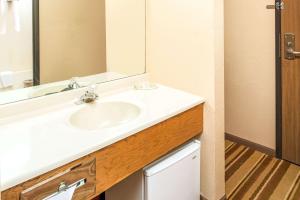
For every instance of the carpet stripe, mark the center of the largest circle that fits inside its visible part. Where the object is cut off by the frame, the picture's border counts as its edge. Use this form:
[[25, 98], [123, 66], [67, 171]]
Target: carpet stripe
[[266, 179], [260, 179], [286, 183], [239, 194], [243, 172], [275, 179], [229, 147], [296, 195], [231, 150], [234, 156], [254, 175], [291, 194], [228, 144], [239, 162]]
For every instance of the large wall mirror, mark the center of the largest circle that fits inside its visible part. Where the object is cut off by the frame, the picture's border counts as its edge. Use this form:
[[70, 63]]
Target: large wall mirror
[[48, 45]]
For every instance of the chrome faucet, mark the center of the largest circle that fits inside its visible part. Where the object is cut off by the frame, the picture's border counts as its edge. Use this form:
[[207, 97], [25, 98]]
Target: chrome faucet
[[73, 84], [89, 96]]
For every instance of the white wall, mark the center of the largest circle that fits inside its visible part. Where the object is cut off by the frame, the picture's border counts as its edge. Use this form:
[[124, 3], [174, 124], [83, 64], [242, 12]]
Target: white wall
[[16, 47], [185, 51], [125, 36], [250, 70]]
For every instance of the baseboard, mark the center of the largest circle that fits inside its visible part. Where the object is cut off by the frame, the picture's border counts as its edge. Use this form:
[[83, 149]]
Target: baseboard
[[250, 144]]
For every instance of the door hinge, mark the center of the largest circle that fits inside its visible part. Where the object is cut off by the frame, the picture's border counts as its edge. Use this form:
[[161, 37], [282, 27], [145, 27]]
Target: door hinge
[[278, 6]]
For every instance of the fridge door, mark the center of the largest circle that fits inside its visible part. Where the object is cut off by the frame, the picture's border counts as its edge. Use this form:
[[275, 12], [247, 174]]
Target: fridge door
[[177, 177]]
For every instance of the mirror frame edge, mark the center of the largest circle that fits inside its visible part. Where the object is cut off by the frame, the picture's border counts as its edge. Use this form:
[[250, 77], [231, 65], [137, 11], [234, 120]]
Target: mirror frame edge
[[36, 42]]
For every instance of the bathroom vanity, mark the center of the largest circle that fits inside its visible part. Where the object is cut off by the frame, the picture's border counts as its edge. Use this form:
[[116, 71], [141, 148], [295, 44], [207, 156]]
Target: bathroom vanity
[[55, 153], [52, 139]]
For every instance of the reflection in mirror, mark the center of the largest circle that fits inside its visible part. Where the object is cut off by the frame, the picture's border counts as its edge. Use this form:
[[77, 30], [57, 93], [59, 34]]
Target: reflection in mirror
[[51, 46]]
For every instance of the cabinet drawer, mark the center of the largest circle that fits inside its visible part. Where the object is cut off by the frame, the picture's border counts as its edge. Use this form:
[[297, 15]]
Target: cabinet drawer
[[84, 173]]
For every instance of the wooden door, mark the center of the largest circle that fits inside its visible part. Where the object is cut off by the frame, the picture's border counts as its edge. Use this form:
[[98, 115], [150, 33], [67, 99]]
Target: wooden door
[[290, 80]]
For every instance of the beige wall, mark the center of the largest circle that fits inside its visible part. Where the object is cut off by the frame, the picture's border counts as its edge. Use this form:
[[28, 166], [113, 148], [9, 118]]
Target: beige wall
[[72, 39], [125, 26], [250, 70], [70, 42], [185, 51]]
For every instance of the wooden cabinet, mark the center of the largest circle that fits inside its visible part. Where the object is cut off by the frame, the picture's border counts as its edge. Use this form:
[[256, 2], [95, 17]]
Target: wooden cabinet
[[110, 165], [83, 174], [47, 184]]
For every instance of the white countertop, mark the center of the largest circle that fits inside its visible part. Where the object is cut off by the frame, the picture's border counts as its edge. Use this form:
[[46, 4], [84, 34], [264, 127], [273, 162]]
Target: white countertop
[[42, 141]]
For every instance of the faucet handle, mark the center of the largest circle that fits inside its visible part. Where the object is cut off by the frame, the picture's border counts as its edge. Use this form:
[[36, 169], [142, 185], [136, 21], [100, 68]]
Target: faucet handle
[[91, 92], [89, 96], [92, 88]]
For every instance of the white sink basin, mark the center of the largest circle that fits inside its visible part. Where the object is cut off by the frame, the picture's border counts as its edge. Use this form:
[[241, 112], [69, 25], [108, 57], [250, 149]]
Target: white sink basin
[[104, 115]]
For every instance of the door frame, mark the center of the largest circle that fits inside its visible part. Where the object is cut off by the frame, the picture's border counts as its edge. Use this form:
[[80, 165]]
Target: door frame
[[278, 82]]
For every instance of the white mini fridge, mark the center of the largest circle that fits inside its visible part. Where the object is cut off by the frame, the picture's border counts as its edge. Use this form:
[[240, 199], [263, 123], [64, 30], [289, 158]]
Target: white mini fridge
[[174, 177]]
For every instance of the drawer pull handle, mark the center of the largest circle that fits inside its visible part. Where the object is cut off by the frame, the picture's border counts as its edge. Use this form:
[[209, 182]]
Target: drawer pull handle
[[64, 187]]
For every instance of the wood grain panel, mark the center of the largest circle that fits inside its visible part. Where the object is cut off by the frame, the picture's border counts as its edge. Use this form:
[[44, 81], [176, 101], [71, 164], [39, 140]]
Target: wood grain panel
[[84, 171], [119, 160], [123, 158], [82, 168], [290, 23]]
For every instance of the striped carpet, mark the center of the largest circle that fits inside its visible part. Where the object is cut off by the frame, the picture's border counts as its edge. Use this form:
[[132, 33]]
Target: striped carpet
[[253, 175]]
